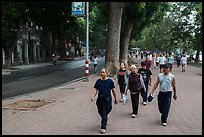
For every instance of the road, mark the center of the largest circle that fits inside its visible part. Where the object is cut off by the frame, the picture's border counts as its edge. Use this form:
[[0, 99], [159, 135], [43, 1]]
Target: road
[[32, 80]]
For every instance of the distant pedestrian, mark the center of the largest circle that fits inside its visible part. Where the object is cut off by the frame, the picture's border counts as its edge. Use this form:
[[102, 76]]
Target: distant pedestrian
[[162, 61], [122, 77], [170, 60], [135, 84], [54, 59], [103, 87], [95, 63], [178, 60], [147, 78], [167, 85], [154, 61], [148, 63], [183, 63], [141, 54], [157, 61]]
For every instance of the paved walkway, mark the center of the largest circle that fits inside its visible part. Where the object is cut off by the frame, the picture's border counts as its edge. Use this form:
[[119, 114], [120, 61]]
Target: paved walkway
[[74, 114]]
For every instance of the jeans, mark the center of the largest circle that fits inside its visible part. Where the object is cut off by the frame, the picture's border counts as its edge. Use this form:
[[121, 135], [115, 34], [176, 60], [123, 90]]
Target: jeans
[[164, 103], [144, 94], [135, 102]]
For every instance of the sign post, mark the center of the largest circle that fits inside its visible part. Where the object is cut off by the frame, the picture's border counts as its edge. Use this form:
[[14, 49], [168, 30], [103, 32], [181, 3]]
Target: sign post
[[87, 43], [78, 9]]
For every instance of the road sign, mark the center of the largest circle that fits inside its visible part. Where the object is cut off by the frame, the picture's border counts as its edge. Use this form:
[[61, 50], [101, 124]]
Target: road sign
[[78, 8]]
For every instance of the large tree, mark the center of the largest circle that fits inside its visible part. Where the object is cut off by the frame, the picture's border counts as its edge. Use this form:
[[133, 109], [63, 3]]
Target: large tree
[[189, 25], [113, 37], [137, 15], [14, 15]]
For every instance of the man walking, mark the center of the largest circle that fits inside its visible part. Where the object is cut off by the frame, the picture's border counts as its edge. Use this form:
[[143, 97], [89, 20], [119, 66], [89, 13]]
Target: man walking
[[103, 88], [167, 85], [147, 78]]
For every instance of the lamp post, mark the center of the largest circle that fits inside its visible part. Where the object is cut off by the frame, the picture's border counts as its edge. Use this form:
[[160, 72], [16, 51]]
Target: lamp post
[[87, 43]]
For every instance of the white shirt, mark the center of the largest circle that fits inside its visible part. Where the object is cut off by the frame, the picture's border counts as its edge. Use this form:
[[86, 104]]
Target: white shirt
[[184, 60], [95, 60], [162, 60]]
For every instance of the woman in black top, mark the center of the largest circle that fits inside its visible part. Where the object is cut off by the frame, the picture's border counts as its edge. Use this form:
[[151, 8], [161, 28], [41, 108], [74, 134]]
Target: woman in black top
[[122, 76]]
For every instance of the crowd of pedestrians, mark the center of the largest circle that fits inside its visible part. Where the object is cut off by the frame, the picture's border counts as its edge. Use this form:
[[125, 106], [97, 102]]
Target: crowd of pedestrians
[[136, 82]]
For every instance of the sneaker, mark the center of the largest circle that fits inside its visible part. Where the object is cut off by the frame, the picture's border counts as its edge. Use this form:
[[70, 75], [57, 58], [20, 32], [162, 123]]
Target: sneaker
[[144, 103], [164, 124], [121, 100], [133, 116], [102, 131]]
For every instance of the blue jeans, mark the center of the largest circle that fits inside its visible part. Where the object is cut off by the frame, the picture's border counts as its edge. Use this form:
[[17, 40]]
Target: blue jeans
[[144, 94], [164, 103]]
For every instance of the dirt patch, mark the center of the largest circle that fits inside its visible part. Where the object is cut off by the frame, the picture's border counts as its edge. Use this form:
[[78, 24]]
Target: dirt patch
[[27, 104]]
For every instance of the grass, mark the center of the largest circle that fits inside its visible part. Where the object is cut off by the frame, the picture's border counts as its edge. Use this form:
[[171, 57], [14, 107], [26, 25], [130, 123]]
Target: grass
[[199, 65]]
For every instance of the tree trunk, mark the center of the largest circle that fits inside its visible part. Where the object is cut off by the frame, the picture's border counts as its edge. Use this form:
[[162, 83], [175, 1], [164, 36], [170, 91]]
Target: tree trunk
[[113, 37], [61, 45], [199, 47], [11, 48], [125, 38], [46, 38]]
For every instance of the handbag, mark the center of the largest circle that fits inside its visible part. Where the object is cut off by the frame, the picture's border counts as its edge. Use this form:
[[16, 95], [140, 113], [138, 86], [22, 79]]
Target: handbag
[[125, 99]]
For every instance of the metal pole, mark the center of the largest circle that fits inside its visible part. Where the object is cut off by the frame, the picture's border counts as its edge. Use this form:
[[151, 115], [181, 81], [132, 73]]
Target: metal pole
[[87, 43]]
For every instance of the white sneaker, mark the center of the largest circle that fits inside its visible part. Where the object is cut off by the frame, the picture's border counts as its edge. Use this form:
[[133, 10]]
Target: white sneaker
[[144, 103], [102, 131], [133, 116], [164, 124]]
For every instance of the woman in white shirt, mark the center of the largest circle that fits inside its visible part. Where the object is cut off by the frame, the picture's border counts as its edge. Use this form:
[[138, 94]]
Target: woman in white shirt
[[183, 63], [95, 62]]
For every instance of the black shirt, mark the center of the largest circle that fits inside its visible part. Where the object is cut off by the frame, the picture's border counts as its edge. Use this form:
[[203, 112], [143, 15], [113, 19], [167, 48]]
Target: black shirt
[[145, 73]]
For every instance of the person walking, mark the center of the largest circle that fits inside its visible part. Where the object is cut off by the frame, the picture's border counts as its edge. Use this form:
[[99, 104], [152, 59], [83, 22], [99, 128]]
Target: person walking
[[135, 84], [178, 60], [183, 63], [122, 77], [170, 60], [147, 78], [162, 61], [95, 63], [167, 85], [54, 59], [103, 87], [148, 63]]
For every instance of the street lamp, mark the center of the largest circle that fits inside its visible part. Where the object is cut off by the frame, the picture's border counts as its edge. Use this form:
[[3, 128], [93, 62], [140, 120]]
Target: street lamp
[[87, 43]]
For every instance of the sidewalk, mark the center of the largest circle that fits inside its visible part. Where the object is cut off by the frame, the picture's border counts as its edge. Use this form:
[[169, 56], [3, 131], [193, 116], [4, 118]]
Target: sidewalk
[[73, 113]]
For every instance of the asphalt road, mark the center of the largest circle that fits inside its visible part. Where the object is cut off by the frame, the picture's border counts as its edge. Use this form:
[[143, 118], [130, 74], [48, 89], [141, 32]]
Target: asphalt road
[[32, 80]]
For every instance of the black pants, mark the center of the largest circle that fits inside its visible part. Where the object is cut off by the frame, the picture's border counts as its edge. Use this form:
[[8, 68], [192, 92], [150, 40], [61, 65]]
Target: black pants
[[104, 106], [135, 102], [122, 88], [164, 103]]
